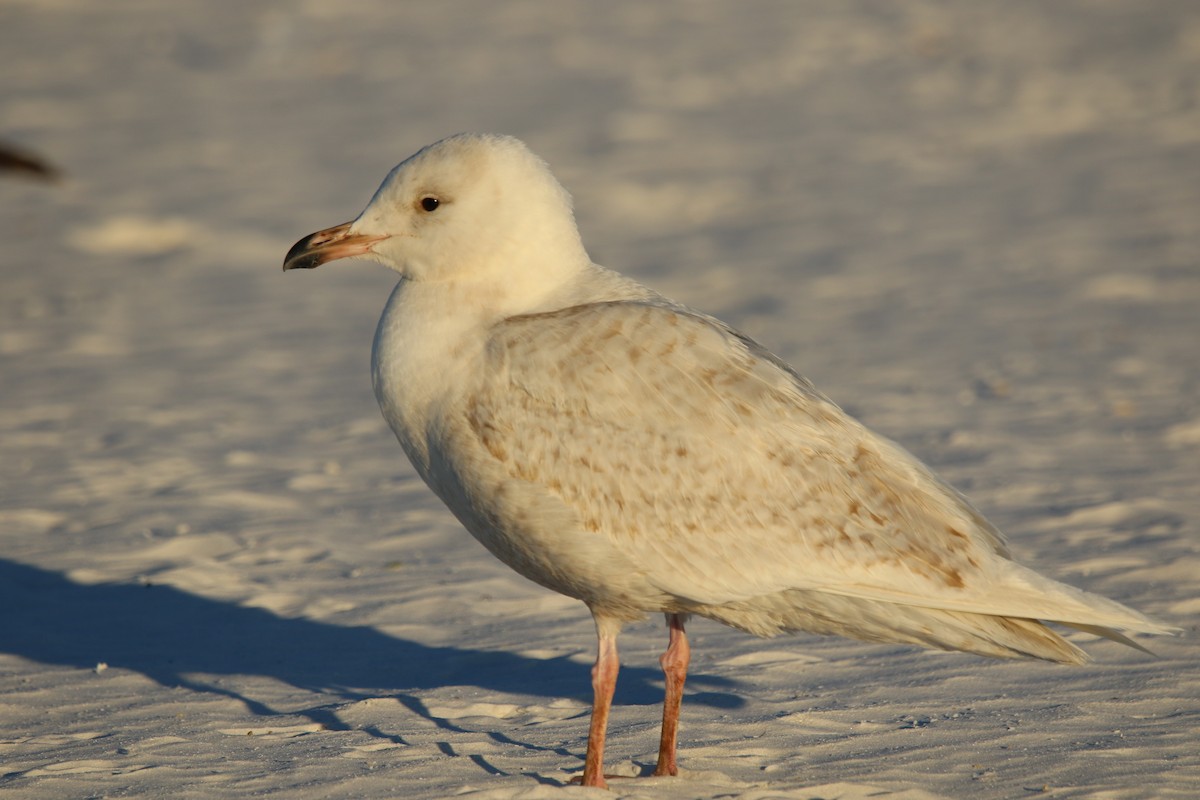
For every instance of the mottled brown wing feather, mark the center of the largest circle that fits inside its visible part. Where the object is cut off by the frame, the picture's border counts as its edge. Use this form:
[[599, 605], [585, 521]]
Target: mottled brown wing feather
[[714, 466]]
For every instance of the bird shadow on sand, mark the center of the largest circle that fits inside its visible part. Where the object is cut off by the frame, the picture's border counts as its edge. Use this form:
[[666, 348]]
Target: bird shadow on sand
[[172, 636]]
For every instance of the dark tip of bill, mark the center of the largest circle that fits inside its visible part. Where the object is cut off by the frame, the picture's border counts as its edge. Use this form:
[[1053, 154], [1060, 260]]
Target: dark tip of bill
[[301, 256]]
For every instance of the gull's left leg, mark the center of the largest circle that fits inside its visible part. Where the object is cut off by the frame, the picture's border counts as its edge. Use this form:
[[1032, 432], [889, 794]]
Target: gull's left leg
[[674, 663], [604, 681]]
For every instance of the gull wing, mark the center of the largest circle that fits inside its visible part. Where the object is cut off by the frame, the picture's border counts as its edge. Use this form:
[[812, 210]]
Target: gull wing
[[719, 474]]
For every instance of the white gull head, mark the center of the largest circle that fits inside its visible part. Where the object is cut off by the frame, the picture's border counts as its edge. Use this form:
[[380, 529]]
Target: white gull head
[[471, 209]]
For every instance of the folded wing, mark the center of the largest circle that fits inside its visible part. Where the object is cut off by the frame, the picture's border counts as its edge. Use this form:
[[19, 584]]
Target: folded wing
[[721, 475]]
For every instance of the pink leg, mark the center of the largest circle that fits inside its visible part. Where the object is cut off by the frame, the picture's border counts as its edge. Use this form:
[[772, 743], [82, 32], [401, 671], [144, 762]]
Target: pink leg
[[604, 682], [674, 663]]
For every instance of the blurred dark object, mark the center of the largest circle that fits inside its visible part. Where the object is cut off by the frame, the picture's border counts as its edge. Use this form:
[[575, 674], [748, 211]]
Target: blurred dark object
[[23, 162]]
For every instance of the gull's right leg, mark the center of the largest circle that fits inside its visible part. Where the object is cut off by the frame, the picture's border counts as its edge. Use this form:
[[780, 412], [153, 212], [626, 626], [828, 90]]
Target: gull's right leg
[[675, 664]]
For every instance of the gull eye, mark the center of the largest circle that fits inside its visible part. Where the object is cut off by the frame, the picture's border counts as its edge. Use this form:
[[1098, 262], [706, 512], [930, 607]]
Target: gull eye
[[430, 203]]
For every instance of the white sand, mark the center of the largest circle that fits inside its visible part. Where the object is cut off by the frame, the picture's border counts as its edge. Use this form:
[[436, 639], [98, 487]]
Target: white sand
[[976, 229]]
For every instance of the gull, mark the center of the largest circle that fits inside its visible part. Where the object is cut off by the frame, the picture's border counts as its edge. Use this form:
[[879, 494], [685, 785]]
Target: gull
[[625, 450]]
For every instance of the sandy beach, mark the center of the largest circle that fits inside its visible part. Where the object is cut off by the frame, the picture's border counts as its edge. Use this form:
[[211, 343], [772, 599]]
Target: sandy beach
[[974, 226]]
